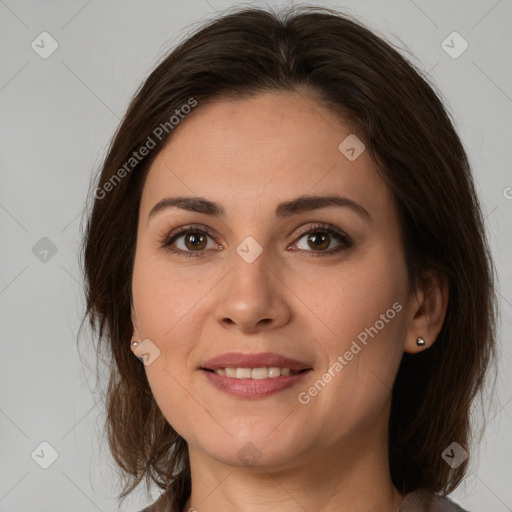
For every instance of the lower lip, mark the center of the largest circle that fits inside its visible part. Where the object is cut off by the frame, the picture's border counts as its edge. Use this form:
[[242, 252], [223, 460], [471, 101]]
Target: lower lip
[[253, 388]]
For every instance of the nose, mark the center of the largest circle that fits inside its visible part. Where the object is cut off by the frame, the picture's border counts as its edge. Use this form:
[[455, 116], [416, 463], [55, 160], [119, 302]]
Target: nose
[[253, 297]]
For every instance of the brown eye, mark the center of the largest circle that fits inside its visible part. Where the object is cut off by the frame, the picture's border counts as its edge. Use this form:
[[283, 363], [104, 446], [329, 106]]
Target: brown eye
[[195, 241], [189, 242], [319, 239]]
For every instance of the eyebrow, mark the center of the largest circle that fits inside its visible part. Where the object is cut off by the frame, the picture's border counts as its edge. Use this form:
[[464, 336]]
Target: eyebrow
[[285, 209]]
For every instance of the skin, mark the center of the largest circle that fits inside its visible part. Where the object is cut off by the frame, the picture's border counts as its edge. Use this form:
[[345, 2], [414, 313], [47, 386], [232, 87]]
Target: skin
[[249, 155]]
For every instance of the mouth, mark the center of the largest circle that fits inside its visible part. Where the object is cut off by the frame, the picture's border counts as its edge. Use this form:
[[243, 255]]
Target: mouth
[[262, 372], [254, 376], [254, 361], [260, 386]]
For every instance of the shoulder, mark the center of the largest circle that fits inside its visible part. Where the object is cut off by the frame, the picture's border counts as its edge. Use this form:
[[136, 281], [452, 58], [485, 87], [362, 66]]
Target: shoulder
[[162, 504], [424, 501]]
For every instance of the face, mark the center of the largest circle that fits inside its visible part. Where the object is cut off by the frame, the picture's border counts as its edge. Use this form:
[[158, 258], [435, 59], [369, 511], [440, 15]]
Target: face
[[322, 283]]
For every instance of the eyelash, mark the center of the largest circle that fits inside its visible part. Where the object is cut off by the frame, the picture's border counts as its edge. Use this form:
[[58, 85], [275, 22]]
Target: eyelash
[[320, 228]]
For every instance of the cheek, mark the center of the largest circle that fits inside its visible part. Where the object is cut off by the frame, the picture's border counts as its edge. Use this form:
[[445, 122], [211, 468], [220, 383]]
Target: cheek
[[162, 297], [358, 314], [346, 299], [168, 387], [167, 306]]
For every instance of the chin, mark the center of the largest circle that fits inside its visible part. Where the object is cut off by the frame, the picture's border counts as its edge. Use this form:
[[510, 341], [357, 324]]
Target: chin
[[256, 451]]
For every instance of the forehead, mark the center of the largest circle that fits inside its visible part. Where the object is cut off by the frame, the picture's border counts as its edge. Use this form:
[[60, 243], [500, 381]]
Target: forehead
[[247, 152]]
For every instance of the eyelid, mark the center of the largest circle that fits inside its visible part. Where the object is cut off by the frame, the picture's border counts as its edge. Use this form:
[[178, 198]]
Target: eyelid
[[346, 240], [167, 240], [199, 228], [319, 226]]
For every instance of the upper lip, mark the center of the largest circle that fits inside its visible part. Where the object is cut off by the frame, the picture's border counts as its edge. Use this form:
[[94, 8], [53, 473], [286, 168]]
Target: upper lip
[[263, 359]]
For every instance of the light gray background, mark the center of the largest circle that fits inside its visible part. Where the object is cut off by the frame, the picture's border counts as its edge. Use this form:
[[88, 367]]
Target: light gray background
[[57, 117]]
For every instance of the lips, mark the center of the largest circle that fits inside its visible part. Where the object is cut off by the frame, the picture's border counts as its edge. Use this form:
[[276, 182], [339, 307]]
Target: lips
[[254, 360]]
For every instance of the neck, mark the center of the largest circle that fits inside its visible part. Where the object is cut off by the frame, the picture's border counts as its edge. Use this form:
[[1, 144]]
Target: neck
[[342, 480]]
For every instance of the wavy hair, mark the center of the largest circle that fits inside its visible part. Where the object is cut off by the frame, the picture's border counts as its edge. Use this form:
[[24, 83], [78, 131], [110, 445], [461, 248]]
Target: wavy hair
[[401, 119]]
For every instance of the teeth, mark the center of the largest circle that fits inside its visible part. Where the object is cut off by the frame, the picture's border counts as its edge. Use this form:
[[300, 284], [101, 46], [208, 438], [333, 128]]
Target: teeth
[[275, 371], [255, 373], [243, 373], [230, 372]]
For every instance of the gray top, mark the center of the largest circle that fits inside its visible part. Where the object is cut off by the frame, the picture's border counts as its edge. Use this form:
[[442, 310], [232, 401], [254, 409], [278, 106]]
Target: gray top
[[416, 501], [423, 501]]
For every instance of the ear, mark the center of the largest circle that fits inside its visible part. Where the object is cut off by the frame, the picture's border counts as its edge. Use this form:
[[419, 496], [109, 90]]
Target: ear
[[427, 309]]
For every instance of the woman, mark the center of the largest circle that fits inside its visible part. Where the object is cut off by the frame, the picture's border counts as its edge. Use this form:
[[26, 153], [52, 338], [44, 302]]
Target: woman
[[286, 257]]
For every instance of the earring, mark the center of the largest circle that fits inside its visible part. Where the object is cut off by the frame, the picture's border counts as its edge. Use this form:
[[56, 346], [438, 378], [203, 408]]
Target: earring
[[134, 345], [420, 342]]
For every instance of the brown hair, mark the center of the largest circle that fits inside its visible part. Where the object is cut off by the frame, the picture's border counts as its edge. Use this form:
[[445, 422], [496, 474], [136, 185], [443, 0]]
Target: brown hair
[[416, 150]]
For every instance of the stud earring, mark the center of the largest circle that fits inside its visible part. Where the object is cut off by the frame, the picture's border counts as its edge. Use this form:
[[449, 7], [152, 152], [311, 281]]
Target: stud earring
[[134, 344], [420, 342]]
